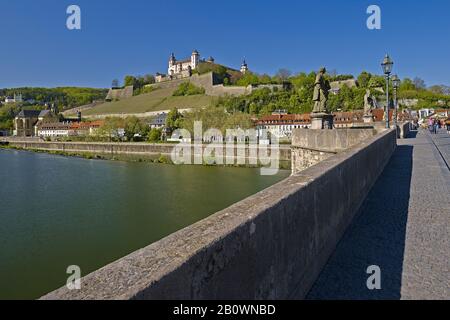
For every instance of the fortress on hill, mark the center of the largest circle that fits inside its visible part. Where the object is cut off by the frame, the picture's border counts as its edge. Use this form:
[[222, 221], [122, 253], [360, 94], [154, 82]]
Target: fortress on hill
[[179, 69]]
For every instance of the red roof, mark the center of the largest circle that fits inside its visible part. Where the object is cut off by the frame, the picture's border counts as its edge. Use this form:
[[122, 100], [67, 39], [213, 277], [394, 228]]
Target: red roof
[[285, 118], [86, 125], [339, 117]]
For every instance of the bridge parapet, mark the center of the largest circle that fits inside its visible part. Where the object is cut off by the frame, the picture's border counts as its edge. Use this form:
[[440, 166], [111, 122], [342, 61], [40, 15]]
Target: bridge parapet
[[310, 147], [272, 245]]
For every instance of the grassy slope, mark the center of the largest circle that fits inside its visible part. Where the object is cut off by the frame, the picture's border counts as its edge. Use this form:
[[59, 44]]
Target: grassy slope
[[160, 99]]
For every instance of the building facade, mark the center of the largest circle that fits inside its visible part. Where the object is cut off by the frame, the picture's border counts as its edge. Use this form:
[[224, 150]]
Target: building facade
[[180, 67], [16, 99], [159, 121], [68, 129], [24, 123], [53, 130], [281, 125]]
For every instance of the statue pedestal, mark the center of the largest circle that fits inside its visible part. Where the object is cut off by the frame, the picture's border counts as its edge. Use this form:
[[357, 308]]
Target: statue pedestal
[[321, 121], [368, 118]]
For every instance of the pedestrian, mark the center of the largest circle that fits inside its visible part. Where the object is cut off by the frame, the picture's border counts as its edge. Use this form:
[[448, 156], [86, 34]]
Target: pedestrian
[[447, 123], [430, 125]]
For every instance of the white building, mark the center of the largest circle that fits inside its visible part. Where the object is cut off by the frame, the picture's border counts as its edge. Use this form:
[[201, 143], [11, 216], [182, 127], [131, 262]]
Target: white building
[[177, 67], [281, 125], [425, 113], [17, 99], [56, 129]]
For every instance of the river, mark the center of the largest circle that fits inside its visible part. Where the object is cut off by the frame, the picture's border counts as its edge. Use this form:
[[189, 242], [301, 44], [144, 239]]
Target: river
[[59, 211]]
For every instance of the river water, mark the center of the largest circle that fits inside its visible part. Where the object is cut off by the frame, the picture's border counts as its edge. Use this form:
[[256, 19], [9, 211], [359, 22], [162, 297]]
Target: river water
[[59, 211]]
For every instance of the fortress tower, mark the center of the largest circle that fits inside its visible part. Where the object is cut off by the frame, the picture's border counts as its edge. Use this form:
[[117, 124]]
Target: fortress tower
[[244, 67], [195, 59]]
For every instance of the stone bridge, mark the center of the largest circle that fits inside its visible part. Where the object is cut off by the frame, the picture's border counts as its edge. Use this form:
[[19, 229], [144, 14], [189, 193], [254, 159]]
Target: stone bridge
[[312, 235]]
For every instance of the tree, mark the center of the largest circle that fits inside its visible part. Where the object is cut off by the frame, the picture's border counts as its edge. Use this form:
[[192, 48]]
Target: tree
[[364, 79], [407, 84], [419, 83], [283, 74], [247, 79], [188, 89], [154, 135], [377, 82], [174, 119], [149, 79], [129, 81], [134, 128], [439, 89], [111, 127]]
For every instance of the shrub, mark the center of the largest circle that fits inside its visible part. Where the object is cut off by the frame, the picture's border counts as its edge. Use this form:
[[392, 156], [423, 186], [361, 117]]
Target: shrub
[[188, 89], [154, 135]]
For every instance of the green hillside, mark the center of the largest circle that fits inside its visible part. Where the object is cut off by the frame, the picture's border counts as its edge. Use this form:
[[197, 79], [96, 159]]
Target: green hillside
[[160, 99]]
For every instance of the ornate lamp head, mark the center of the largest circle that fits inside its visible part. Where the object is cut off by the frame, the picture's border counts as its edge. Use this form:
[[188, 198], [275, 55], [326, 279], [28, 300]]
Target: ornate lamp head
[[387, 65], [395, 81]]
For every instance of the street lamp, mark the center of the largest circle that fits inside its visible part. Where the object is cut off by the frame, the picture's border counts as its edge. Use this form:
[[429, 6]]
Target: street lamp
[[396, 85], [387, 65]]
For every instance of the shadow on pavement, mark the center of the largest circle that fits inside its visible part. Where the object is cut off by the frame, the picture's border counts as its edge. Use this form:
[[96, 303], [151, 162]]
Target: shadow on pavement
[[375, 237], [412, 134]]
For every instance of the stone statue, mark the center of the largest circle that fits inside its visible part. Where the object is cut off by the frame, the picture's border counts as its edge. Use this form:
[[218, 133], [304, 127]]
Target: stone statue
[[321, 90], [368, 103]]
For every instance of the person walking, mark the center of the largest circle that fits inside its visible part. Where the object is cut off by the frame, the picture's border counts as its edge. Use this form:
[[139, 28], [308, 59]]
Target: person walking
[[430, 125], [447, 123]]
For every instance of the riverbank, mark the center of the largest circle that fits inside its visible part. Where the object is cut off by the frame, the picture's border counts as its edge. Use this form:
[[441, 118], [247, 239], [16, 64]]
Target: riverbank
[[134, 152], [97, 156]]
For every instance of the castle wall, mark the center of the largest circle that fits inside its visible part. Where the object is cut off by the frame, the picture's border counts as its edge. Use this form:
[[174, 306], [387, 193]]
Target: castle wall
[[210, 82]]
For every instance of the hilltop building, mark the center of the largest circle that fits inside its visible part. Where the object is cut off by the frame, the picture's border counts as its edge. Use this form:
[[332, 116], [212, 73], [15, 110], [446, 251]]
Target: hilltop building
[[184, 66], [179, 69]]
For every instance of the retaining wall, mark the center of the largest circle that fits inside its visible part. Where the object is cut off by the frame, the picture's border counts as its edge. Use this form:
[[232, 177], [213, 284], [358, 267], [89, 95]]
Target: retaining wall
[[210, 82], [272, 245], [142, 149]]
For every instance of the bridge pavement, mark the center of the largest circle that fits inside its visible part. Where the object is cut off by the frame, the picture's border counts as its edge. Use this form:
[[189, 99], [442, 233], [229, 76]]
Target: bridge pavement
[[403, 227]]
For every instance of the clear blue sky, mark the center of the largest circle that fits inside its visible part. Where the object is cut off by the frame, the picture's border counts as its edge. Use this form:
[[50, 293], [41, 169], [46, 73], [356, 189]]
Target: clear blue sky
[[137, 36]]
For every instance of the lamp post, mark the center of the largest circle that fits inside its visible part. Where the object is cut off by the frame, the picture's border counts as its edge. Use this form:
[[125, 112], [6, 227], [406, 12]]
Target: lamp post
[[395, 84], [387, 65]]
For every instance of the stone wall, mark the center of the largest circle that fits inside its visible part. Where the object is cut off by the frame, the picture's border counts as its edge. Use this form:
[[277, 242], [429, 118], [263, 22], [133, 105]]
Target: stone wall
[[404, 130], [210, 82], [310, 147], [272, 245], [304, 158], [119, 94], [133, 148]]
